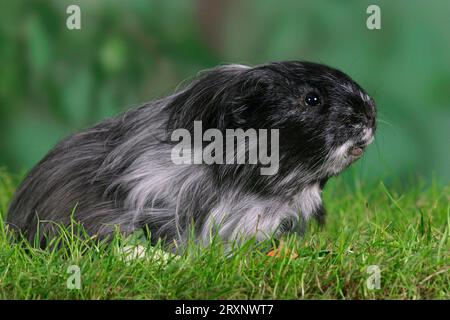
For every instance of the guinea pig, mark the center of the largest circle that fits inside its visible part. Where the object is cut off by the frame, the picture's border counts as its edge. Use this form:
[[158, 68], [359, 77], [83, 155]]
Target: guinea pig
[[120, 174]]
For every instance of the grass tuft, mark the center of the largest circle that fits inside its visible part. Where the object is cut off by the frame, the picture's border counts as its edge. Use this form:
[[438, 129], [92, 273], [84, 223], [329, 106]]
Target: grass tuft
[[404, 233]]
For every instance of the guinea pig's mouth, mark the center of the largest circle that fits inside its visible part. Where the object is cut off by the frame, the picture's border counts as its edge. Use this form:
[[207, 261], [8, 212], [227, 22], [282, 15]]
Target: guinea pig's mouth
[[356, 151]]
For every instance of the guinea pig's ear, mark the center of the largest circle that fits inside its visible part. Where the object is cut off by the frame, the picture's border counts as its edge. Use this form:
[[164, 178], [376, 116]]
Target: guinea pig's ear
[[218, 97], [247, 94]]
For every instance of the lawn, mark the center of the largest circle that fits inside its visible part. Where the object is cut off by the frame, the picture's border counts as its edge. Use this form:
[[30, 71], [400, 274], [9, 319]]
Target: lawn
[[403, 232]]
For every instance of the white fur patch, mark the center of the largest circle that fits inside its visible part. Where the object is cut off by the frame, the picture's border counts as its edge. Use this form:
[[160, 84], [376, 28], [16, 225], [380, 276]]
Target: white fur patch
[[368, 136], [338, 160], [309, 200], [239, 217]]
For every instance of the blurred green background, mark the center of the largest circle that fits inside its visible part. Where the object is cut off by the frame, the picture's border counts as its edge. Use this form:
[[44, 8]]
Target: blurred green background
[[54, 81]]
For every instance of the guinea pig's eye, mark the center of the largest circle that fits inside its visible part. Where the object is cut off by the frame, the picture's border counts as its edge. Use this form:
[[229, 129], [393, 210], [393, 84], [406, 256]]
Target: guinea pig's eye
[[312, 99]]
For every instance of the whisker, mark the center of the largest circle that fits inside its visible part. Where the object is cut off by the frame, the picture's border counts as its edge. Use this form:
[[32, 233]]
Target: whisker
[[384, 122]]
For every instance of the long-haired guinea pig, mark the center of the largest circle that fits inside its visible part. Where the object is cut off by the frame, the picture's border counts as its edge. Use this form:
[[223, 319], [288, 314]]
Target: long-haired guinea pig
[[120, 174]]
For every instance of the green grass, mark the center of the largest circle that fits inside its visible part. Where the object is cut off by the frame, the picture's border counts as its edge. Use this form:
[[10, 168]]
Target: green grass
[[404, 233]]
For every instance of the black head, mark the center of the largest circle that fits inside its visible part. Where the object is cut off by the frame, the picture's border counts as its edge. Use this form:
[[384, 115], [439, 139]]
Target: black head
[[325, 119]]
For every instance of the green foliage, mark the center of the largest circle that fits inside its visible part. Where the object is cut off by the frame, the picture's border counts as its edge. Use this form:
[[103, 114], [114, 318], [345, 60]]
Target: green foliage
[[406, 234], [54, 81]]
